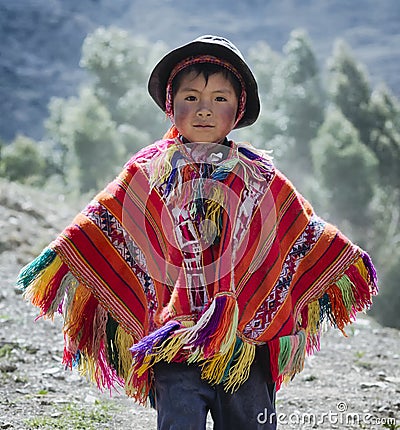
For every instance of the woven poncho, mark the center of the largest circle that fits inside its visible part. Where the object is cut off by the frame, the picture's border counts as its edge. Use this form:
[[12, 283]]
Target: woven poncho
[[197, 253]]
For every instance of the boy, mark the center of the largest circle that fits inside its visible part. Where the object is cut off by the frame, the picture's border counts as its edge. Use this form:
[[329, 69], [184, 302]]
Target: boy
[[199, 278]]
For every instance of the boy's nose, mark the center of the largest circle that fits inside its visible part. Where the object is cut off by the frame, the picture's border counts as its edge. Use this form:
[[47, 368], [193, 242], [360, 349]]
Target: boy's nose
[[204, 112]]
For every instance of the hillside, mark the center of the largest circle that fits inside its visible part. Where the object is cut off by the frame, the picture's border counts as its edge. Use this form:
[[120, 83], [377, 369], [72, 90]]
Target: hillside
[[351, 383], [41, 40]]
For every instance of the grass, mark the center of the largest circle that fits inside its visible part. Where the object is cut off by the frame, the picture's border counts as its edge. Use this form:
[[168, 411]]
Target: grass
[[6, 349], [310, 378], [74, 417], [359, 354], [362, 363], [391, 426]]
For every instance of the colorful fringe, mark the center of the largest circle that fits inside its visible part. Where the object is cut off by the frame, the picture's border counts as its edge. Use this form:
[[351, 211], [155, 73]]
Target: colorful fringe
[[338, 306], [211, 342], [94, 342]]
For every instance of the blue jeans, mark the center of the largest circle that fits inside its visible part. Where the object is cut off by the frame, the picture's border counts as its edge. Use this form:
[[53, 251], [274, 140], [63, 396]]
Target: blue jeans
[[183, 399]]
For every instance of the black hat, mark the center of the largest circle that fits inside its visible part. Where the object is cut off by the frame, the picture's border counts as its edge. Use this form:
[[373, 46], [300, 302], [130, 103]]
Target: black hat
[[207, 45]]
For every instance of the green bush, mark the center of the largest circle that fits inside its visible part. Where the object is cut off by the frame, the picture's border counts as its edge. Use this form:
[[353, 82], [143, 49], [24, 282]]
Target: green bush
[[22, 161]]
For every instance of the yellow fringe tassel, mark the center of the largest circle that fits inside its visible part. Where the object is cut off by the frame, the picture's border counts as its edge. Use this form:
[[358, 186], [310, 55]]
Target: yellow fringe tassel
[[215, 203], [147, 363], [165, 352], [139, 394], [213, 370], [313, 318], [240, 370], [124, 341], [168, 349], [362, 268], [187, 324], [39, 287], [87, 367], [161, 167]]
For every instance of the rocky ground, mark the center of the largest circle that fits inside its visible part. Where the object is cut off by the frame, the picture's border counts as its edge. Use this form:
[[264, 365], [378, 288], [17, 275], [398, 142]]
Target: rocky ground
[[352, 383]]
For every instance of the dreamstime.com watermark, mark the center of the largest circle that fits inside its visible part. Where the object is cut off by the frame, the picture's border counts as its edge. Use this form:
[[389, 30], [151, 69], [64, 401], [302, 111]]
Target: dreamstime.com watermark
[[341, 417]]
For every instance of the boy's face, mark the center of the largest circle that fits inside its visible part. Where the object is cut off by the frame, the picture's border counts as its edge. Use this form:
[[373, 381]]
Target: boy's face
[[205, 111]]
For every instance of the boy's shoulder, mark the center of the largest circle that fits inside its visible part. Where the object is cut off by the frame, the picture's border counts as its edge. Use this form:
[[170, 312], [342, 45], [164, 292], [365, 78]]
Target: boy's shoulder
[[149, 153], [258, 158], [248, 148]]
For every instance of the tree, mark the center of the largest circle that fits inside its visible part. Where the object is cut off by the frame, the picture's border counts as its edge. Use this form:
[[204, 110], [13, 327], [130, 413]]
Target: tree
[[92, 134], [386, 306], [84, 127], [350, 89], [293, 103], [266, 131], [384, 136], [114, 60], [348, 171], [119, 66], [137, 110], [23, 161], [298, 95], [264, 62]]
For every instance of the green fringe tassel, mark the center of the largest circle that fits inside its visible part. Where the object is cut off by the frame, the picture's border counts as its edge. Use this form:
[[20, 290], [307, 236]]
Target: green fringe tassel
[[346, 287], [284, 354], [292, 351], [32, 270]]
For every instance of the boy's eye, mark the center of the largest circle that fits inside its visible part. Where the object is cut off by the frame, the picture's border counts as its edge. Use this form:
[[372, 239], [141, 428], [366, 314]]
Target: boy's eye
[[220, 99], [190, 98]]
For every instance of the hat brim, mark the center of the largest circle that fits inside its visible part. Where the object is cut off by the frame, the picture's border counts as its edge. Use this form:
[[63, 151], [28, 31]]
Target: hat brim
[[159, 77]]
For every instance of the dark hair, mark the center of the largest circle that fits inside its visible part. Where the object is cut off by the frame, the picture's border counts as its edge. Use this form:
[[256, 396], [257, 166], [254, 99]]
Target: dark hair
[[206, 70]]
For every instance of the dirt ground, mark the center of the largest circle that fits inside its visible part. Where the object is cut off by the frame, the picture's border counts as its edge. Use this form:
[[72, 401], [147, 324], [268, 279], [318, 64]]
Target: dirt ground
[[352, 383]]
